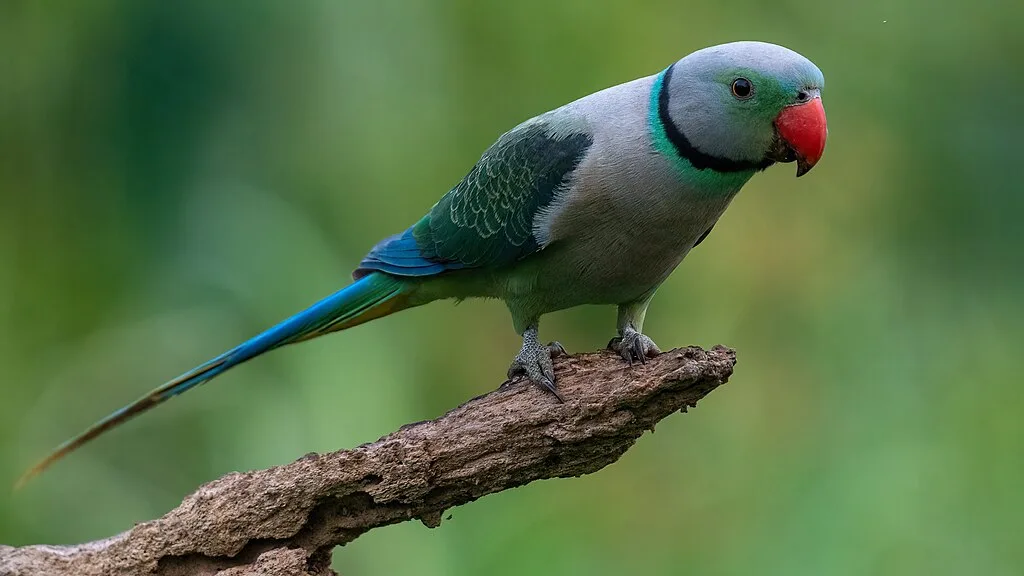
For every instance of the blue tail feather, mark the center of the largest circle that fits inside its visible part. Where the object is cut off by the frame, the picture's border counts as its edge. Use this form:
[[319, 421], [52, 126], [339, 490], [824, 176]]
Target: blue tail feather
[[370, 297]]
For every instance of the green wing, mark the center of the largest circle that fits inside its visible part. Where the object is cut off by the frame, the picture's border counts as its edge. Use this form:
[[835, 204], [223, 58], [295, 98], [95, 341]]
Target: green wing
[[487, 219]]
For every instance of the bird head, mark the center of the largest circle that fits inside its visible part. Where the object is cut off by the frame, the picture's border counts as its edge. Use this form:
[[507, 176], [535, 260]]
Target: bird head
[[749, 104]]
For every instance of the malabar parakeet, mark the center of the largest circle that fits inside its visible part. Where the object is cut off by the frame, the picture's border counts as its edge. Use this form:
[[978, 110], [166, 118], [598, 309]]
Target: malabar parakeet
[[595, 202]]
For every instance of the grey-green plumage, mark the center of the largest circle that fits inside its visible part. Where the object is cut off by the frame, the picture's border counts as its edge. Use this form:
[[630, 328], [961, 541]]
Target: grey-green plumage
[[595, 202], [598, 201]]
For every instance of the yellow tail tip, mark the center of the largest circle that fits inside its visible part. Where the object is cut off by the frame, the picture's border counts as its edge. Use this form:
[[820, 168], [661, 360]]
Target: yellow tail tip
[[26, 477], [38, 469]]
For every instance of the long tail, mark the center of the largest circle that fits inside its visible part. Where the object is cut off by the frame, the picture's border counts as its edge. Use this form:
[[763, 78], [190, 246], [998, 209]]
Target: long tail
[[371, 297]]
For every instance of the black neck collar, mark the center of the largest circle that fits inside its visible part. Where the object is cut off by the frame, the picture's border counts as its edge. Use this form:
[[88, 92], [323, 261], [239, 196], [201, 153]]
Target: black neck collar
[[698, 159]]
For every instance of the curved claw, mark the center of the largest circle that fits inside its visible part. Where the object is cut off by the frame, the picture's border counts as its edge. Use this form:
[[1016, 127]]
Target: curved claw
[[634, 346], [550, 386], [534, 361], [556, 349]]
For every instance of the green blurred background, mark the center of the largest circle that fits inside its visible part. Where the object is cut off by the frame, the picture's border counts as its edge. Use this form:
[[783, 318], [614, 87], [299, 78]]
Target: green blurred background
[[176, 176]]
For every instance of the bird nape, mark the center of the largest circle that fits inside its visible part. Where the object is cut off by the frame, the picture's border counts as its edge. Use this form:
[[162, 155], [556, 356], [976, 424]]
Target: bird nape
[[595, 202]]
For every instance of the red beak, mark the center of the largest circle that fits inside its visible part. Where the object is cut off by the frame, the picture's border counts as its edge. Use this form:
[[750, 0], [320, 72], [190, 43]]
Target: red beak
[[803, 128]]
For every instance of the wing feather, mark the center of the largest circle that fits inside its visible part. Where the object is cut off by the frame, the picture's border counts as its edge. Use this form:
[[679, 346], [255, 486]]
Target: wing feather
[[487, 218]]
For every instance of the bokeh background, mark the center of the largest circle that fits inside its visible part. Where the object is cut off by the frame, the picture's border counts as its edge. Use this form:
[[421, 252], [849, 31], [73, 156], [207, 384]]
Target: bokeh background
[[176, 176]]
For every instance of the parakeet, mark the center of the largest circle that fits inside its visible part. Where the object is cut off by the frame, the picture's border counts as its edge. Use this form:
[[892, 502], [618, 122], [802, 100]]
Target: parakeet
[[595, 202]]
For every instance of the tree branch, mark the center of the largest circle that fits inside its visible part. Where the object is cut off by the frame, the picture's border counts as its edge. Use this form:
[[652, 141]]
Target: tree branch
[[287, 520]]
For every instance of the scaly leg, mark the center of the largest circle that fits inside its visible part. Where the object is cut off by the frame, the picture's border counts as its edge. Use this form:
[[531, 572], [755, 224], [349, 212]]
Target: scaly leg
[[631, 344], [534, 360]]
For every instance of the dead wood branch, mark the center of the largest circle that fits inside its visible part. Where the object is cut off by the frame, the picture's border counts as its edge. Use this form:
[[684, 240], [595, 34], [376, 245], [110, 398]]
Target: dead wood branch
[[287, 520]]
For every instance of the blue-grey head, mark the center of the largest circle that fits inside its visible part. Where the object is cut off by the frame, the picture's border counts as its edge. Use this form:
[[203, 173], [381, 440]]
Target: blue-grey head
[[743, 106]]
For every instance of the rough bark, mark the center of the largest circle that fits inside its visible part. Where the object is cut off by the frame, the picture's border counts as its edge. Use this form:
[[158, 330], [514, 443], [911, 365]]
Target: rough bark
[[288, 519]]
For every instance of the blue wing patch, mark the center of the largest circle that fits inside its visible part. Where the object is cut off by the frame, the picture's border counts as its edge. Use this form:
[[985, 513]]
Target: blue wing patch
[[487, 219], [400, 255]]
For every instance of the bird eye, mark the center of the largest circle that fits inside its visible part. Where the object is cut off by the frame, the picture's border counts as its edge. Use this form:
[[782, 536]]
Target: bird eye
[[742, 88]]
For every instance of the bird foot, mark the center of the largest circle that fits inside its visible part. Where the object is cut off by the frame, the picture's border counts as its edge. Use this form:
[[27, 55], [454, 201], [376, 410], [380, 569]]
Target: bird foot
[[634, 346], [534, 360]]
